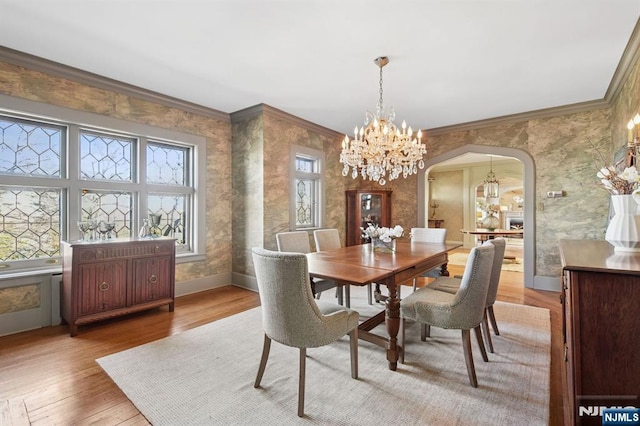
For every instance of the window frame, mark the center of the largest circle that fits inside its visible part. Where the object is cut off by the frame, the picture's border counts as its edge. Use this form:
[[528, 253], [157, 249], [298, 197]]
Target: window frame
[[318, 156], [71, 184]]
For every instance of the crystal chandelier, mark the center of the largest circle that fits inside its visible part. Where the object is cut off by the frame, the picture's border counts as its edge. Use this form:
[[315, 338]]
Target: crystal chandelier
[[379, 150], [491, 184]]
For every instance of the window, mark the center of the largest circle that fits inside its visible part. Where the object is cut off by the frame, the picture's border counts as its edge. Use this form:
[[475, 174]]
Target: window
[[55, 173], [306, 188]]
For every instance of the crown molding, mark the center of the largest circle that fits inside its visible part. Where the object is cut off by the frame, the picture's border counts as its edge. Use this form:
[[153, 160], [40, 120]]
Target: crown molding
[[520, 117], [285, 116], [46, 66], [629, 58]]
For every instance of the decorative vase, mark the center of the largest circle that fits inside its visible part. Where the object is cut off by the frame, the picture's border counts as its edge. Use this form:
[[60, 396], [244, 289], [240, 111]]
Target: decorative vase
[[623, 232], [491, 222], [144, 229], [379, 245]]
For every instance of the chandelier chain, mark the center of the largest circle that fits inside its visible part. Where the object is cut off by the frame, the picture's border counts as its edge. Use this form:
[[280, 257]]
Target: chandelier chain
[[380, 101]]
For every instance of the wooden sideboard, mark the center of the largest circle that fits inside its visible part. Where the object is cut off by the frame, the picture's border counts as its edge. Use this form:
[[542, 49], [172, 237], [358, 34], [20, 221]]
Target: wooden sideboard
[[601, 324], [109, 278]]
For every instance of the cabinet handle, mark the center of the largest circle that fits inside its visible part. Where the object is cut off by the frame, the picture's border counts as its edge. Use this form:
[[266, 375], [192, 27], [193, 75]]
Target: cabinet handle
[[104, 286], [153, 279]]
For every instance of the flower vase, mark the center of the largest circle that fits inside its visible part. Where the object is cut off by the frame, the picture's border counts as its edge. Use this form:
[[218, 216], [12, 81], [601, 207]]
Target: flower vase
[[379, 245], [623, 232], [491, 222]]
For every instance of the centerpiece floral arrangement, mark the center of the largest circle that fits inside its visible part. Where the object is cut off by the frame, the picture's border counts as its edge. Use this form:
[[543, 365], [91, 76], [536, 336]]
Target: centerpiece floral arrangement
[[489, 208], [374, 231]]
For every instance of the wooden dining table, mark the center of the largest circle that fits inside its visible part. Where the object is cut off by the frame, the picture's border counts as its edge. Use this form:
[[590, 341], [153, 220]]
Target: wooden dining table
[[361, 265]]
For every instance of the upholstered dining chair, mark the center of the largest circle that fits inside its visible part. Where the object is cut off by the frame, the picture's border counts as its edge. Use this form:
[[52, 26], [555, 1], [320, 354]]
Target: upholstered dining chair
[[292, 317], [463, 310], [451, 285], [428, 235], [329, 239], [298, 242]]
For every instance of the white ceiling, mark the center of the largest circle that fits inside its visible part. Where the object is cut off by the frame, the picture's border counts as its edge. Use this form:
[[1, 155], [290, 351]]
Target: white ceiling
[[451, 61]]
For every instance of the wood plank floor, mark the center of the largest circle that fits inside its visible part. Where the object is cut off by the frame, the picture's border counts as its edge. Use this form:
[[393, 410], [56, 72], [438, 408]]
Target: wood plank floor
[[47, 377]]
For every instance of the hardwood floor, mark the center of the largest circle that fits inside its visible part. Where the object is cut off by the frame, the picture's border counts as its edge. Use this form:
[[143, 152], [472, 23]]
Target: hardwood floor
[[47, 377]]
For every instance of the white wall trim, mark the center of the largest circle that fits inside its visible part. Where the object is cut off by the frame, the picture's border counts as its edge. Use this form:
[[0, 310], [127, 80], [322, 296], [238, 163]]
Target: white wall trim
[[201, 284], [541, 282], [245, 281]]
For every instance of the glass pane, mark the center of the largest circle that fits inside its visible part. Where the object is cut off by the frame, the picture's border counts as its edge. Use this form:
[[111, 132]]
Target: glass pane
[[167, 216], [305, 165], [104, 157], [114, 207], [371, 209], [166, 164], [30, 149], [30, 225], [304, 202]]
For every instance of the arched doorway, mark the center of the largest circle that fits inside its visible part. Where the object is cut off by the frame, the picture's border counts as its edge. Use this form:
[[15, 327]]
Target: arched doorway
[[529, 196]]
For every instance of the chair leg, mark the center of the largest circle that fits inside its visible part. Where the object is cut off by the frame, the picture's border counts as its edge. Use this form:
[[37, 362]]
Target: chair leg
[[425, 331], [468, 357], [403, 324], [347, 295], [483, 351], [486, 332], [492, 317], [263, 360], [369, 291], [303, 366], [353, 340]]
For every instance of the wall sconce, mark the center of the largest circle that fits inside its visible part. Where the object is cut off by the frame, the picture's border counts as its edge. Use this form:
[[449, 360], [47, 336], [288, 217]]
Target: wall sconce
[[633, 140]]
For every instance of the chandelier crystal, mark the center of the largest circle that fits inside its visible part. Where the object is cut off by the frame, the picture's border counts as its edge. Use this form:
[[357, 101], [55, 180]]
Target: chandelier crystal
[[491, 184], [380, 150]]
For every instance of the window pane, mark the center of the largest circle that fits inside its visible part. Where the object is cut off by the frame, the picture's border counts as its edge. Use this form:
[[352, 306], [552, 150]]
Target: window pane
[[166, 164], [305, 165], [304, 202], [167, 215], [30, 223], [30, 149], [104, 157], [115, 207]]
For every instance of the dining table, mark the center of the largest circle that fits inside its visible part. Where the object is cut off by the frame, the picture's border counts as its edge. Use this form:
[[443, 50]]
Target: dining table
[[361, 265]]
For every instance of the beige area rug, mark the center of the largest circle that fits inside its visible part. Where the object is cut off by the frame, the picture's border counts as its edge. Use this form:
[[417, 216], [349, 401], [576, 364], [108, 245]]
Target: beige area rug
[[205, 376], [514, 265]]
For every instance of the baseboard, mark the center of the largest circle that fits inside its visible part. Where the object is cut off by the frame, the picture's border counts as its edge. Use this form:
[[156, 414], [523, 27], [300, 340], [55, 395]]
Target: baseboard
[[547, 283], [245, 281], [201, 284]]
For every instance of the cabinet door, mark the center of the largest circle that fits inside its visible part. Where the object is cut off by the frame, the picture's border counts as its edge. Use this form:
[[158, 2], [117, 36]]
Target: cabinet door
[[151, 279], [364, 208], [102, 287]]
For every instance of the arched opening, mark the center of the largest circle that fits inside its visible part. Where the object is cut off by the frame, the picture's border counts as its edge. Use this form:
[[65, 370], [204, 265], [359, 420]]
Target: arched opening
[[528, 213]]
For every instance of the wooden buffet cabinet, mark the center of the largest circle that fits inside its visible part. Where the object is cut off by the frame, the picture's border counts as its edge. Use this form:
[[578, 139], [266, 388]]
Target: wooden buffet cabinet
[[363, 207], [601, 324], [105, 279]]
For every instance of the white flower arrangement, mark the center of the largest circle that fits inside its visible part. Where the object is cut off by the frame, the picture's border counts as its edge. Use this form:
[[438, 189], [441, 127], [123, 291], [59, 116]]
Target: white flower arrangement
[[382, 233], [620, 183]]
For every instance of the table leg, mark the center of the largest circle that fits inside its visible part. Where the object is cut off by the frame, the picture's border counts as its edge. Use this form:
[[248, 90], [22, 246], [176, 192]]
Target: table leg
[[444, 272], [392, 320]]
